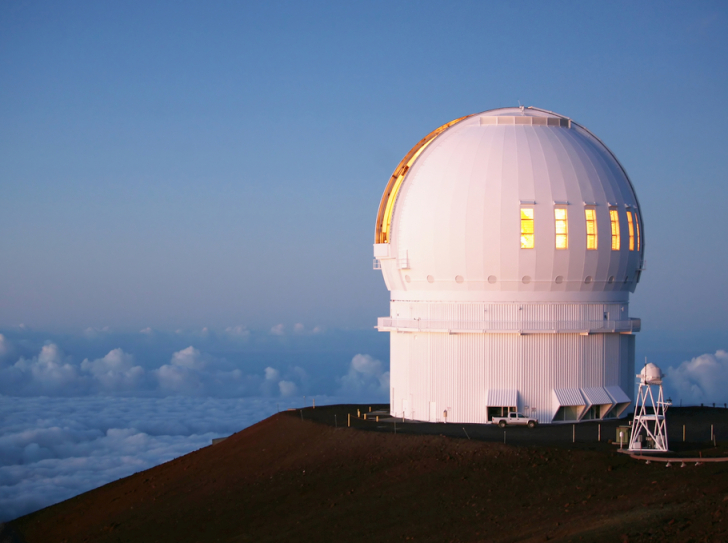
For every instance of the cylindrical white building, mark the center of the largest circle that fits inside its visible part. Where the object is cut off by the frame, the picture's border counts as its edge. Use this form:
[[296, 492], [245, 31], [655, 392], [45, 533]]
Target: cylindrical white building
[[510, 241]]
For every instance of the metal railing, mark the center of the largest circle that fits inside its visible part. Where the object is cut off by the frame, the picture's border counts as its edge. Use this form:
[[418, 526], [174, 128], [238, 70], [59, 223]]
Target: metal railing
[[588, 326]]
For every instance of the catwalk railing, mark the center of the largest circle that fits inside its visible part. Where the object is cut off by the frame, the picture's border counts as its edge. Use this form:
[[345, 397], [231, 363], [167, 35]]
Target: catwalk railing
[[627, 326]]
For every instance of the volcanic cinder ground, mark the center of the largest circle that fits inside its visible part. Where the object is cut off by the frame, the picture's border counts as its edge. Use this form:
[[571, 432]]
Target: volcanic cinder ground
[[297, 477]]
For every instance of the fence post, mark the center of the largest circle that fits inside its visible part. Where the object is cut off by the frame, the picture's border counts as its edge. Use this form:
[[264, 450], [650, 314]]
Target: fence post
[[683, 433], [599, 437], [348, 420], [573, 433]]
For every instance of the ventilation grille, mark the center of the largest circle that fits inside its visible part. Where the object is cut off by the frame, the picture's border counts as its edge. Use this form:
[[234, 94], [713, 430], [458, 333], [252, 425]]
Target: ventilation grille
[[527, 121]]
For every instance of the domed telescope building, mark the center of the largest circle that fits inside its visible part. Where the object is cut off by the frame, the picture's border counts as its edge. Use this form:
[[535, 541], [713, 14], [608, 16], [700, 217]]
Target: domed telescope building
[[510, 241]]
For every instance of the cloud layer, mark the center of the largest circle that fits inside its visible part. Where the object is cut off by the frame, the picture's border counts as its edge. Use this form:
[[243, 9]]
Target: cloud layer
[[67, 426], [71, 423], [54, 448], [189, 372]]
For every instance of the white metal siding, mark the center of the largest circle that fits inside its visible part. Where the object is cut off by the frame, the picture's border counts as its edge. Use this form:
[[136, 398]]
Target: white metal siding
[[597, 396], [569, 397], [502, 398], [457, 371]]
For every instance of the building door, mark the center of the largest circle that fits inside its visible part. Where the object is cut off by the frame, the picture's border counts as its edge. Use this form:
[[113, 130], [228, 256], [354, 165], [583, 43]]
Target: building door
[[433, 412]]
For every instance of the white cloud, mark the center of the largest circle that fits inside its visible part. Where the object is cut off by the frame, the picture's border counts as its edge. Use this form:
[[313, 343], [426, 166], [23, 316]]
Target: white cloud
[[183, 375], [146, 330], [191, 372], [298, 328], [704, 379], [48, 373], [274, 385], [287, 388], [366, 378], [272, 374], [278, 330], [115, 371], [3, 345], [179, 380], [189, 358]]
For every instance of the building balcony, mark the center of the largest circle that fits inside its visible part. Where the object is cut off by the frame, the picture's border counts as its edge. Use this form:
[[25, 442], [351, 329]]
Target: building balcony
[[626, 326]]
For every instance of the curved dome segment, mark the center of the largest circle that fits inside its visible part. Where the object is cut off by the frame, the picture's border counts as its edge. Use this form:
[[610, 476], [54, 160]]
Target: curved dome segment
[[386, 206], [514, 200]]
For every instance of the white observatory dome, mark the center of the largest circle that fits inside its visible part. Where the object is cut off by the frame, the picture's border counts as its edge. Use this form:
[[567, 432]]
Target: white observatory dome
[[510, 241], [512, 204]]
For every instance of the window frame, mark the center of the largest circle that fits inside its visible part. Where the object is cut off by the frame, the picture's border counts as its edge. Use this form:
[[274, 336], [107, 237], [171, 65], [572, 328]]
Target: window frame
[[565, 223], [614, 221], [525, 221], [593, 221], [630, 230]]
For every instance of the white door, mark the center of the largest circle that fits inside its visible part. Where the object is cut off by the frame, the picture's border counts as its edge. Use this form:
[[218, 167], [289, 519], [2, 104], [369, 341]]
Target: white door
[[433, 412]]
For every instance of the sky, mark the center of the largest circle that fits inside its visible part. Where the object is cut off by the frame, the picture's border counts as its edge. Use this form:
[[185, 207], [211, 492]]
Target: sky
[[188, 193]]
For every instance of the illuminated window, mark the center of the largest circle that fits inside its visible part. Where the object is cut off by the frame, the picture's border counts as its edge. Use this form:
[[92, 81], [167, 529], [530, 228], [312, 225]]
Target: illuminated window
[[527, 228], [591, 229], [630, 226], [614, 217], [562, 228], [637, 226]]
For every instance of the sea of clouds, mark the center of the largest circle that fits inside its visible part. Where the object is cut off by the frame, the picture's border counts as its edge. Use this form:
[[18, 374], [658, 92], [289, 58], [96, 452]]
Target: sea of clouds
[[69, 424], [77, 412], [52, 449]]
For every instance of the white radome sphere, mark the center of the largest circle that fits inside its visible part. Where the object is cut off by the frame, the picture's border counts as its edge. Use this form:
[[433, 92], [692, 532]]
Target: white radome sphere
[[651, 374], [450, 221]]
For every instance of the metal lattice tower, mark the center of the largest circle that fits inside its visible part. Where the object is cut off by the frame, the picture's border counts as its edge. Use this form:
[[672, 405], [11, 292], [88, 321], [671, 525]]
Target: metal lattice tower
[[649, 418]]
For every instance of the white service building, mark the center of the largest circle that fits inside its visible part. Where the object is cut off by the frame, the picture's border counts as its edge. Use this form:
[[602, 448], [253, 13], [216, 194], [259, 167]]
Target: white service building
[[510, 241]]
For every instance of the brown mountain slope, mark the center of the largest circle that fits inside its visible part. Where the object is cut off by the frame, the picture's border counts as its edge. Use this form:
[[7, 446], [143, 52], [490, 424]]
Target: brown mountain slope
[[285, 479]]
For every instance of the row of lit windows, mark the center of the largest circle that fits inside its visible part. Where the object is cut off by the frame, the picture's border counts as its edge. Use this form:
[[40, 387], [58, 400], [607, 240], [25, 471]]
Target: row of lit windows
[[561, 227]]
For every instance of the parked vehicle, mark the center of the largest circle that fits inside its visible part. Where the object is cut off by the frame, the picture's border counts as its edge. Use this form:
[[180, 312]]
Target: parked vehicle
[[515, 419]]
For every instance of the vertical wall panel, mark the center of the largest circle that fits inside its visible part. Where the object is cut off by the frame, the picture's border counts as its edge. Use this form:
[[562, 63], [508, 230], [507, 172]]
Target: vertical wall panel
[[455, 370]]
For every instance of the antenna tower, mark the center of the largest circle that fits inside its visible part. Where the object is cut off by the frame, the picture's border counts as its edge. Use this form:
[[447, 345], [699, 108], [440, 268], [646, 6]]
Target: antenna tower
[[649, 415]]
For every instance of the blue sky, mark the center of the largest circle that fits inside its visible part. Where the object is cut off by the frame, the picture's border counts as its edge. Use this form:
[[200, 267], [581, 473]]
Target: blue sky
[[188, 193], [192, 164]]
